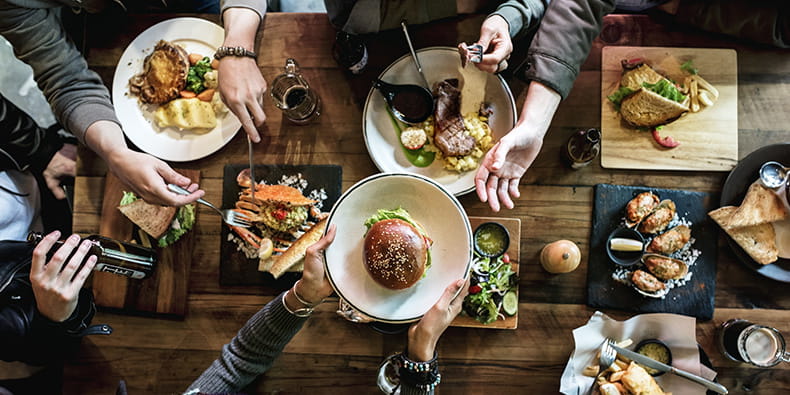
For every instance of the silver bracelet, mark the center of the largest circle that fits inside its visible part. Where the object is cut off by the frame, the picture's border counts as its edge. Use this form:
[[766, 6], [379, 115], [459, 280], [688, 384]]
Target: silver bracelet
[[303, 312], [302, 301]]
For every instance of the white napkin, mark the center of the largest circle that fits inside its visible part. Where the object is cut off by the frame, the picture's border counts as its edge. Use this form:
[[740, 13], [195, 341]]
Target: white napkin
[[677, 331]]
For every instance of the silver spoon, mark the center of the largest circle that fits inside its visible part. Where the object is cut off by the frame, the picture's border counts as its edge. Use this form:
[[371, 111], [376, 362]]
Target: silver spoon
[[414, 54], [773, 174]]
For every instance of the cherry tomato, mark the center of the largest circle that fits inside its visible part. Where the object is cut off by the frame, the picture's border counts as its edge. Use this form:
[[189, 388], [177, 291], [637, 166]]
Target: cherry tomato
[[506, 258], [474, 289], [279, 214]]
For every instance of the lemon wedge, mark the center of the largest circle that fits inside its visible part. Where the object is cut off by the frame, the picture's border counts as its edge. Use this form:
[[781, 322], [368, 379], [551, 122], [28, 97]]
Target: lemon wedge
[[621, 244], [267, 248]]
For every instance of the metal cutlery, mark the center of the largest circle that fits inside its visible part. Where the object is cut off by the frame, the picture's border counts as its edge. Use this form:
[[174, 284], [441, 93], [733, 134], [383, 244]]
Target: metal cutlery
[[651, 363], [252, 169], [414, 54], [230, 217], [606, 359]]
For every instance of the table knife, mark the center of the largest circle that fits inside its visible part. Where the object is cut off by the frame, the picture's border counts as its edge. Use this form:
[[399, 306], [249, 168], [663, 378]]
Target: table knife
[[252, 169], [651, 363]]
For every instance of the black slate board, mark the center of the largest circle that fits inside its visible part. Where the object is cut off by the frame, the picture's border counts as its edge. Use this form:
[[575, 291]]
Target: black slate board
[[695, 298], [235, 268]]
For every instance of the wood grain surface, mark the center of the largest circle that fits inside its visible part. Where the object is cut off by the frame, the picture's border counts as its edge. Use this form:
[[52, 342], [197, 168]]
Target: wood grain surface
[[330, 355], [165, 292], [708, 138], [513, 226]]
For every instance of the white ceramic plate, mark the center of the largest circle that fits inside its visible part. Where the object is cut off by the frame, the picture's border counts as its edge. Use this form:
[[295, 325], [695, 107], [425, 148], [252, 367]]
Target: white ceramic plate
[[428, 203], [195, 36], [438, 63]]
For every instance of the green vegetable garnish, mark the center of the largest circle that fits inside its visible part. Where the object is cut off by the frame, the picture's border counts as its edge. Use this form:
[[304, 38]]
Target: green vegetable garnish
[[128, 197], [689, 67], [183, 221], [495, 288], [418, 157], [618, 96], [667, 89], [195, 76]]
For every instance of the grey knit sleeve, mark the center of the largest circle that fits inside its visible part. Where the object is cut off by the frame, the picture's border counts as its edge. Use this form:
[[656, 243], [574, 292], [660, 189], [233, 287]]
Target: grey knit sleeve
[[252, 351]]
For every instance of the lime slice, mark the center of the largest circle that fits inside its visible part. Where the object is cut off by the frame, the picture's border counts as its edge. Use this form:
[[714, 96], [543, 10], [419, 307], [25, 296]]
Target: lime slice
[[510, 303], [267, 248], [620, 244]]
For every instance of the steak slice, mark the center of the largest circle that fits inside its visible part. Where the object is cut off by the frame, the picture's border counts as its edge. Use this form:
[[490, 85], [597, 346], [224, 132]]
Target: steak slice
[[164, 74], [450, 133]]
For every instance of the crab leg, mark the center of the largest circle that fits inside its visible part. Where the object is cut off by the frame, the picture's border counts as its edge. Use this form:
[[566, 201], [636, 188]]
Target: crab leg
[[247, 236]]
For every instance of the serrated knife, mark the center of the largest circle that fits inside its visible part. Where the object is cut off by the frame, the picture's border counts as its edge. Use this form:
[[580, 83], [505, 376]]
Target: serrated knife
[[652, 363]]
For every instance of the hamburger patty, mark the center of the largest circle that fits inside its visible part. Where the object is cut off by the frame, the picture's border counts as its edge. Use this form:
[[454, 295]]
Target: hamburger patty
[[164, 74], [395, 253]]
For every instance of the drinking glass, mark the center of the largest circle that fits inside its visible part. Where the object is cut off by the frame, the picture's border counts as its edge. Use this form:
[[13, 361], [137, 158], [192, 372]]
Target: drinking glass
[[743, 341], [292, 94]]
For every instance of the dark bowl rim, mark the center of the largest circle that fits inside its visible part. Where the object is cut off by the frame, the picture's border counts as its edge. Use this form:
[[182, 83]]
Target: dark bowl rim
[[494, 224], [655, 341], [619, 261]]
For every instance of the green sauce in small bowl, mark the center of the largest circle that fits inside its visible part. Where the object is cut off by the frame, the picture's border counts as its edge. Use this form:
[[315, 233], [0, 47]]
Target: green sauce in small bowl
[[491, 239]]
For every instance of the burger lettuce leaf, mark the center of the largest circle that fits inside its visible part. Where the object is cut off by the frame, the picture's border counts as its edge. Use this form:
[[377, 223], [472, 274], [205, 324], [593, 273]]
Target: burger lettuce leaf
[[401, 214], [183, 221]]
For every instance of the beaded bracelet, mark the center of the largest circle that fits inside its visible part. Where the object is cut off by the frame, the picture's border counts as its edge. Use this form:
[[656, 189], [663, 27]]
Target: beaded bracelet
[[423, 375]]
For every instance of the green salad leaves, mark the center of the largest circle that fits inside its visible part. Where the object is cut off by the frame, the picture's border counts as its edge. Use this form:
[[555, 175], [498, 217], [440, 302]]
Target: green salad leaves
[[182, 223]]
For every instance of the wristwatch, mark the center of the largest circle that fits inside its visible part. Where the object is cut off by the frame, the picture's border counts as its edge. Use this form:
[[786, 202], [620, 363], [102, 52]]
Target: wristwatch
[[234, 51]]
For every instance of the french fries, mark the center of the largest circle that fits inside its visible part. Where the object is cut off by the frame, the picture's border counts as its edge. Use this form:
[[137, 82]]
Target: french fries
[[701, 93], [610, 381]]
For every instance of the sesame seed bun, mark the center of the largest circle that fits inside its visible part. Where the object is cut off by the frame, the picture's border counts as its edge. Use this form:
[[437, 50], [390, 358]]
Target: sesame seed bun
[[395, 253]]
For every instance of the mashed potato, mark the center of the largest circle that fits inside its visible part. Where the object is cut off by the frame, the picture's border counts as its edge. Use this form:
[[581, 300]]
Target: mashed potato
[[477, 127], [186, 114]]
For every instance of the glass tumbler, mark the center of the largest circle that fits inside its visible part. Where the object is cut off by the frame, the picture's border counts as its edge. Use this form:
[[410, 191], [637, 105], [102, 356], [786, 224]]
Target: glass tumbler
[[759, 345], [292, 94]]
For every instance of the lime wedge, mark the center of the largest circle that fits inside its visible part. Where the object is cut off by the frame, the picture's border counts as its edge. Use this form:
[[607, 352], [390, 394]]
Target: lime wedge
[[510, 303], [620, 244]]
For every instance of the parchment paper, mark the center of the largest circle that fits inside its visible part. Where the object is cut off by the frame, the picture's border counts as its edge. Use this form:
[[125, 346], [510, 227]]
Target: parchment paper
[[677, 331]]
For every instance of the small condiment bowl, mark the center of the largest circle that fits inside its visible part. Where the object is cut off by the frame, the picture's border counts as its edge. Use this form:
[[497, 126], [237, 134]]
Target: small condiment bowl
[[496, 229], [659, 343], [625, 258]]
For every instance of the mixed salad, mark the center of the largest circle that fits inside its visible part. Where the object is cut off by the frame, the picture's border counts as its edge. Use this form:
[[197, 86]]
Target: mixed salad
[[492, 288]]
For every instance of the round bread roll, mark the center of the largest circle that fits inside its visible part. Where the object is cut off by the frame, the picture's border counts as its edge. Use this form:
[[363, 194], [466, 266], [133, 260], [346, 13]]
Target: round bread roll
[[395, 254]]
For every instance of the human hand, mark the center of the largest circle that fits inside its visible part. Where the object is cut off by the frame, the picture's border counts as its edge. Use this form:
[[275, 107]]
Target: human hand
[[314, 286], [497, 46], [148, 178], [63, 164], [242, 88], [424, 334], [241, 84], [56, 284], [499, 174]]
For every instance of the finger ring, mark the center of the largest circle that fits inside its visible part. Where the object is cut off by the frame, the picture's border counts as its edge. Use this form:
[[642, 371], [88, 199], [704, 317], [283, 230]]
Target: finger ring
[[502, 66]]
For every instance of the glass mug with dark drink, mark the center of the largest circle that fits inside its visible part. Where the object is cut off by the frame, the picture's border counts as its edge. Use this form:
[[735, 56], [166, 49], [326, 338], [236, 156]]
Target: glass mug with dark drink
[[292, 94], [759, 345], [113, 256]]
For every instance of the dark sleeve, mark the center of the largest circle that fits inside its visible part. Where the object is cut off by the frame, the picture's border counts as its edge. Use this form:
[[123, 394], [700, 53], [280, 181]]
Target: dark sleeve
[[766, 22], [23, 144], [76, 94], [251, 352], [29, 337], [563, 41]]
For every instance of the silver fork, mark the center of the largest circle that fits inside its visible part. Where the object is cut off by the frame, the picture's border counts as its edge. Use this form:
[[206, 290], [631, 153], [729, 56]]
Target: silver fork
[[608, 355], [230, 217]]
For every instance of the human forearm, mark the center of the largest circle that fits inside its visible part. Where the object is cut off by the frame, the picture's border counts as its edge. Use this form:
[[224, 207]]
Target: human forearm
[[77, 95], [563, 42], [538, 110], [252, 351], [241, 25]]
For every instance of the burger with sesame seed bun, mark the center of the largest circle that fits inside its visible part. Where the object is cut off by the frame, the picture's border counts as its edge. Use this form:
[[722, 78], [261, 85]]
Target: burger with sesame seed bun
[[397, 249]]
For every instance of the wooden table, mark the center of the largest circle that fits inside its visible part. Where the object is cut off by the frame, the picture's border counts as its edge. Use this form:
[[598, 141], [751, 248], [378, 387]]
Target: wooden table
[[330, 355]]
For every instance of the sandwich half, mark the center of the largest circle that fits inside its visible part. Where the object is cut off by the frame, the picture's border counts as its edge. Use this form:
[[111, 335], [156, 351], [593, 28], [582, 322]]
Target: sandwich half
[[646, 108]]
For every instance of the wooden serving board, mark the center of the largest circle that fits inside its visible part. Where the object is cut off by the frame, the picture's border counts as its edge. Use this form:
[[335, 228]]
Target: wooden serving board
[[513, 226], [708, 138], [165, 292]]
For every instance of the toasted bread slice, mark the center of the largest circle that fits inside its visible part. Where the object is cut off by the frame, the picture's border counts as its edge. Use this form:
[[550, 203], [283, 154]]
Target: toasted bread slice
[[759, 241], [296, 252], [646, 108], [152, 218], [634, 78], [760, 206]]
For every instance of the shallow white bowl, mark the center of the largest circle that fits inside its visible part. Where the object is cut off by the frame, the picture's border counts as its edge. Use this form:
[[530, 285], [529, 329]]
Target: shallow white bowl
[[436, 209]]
